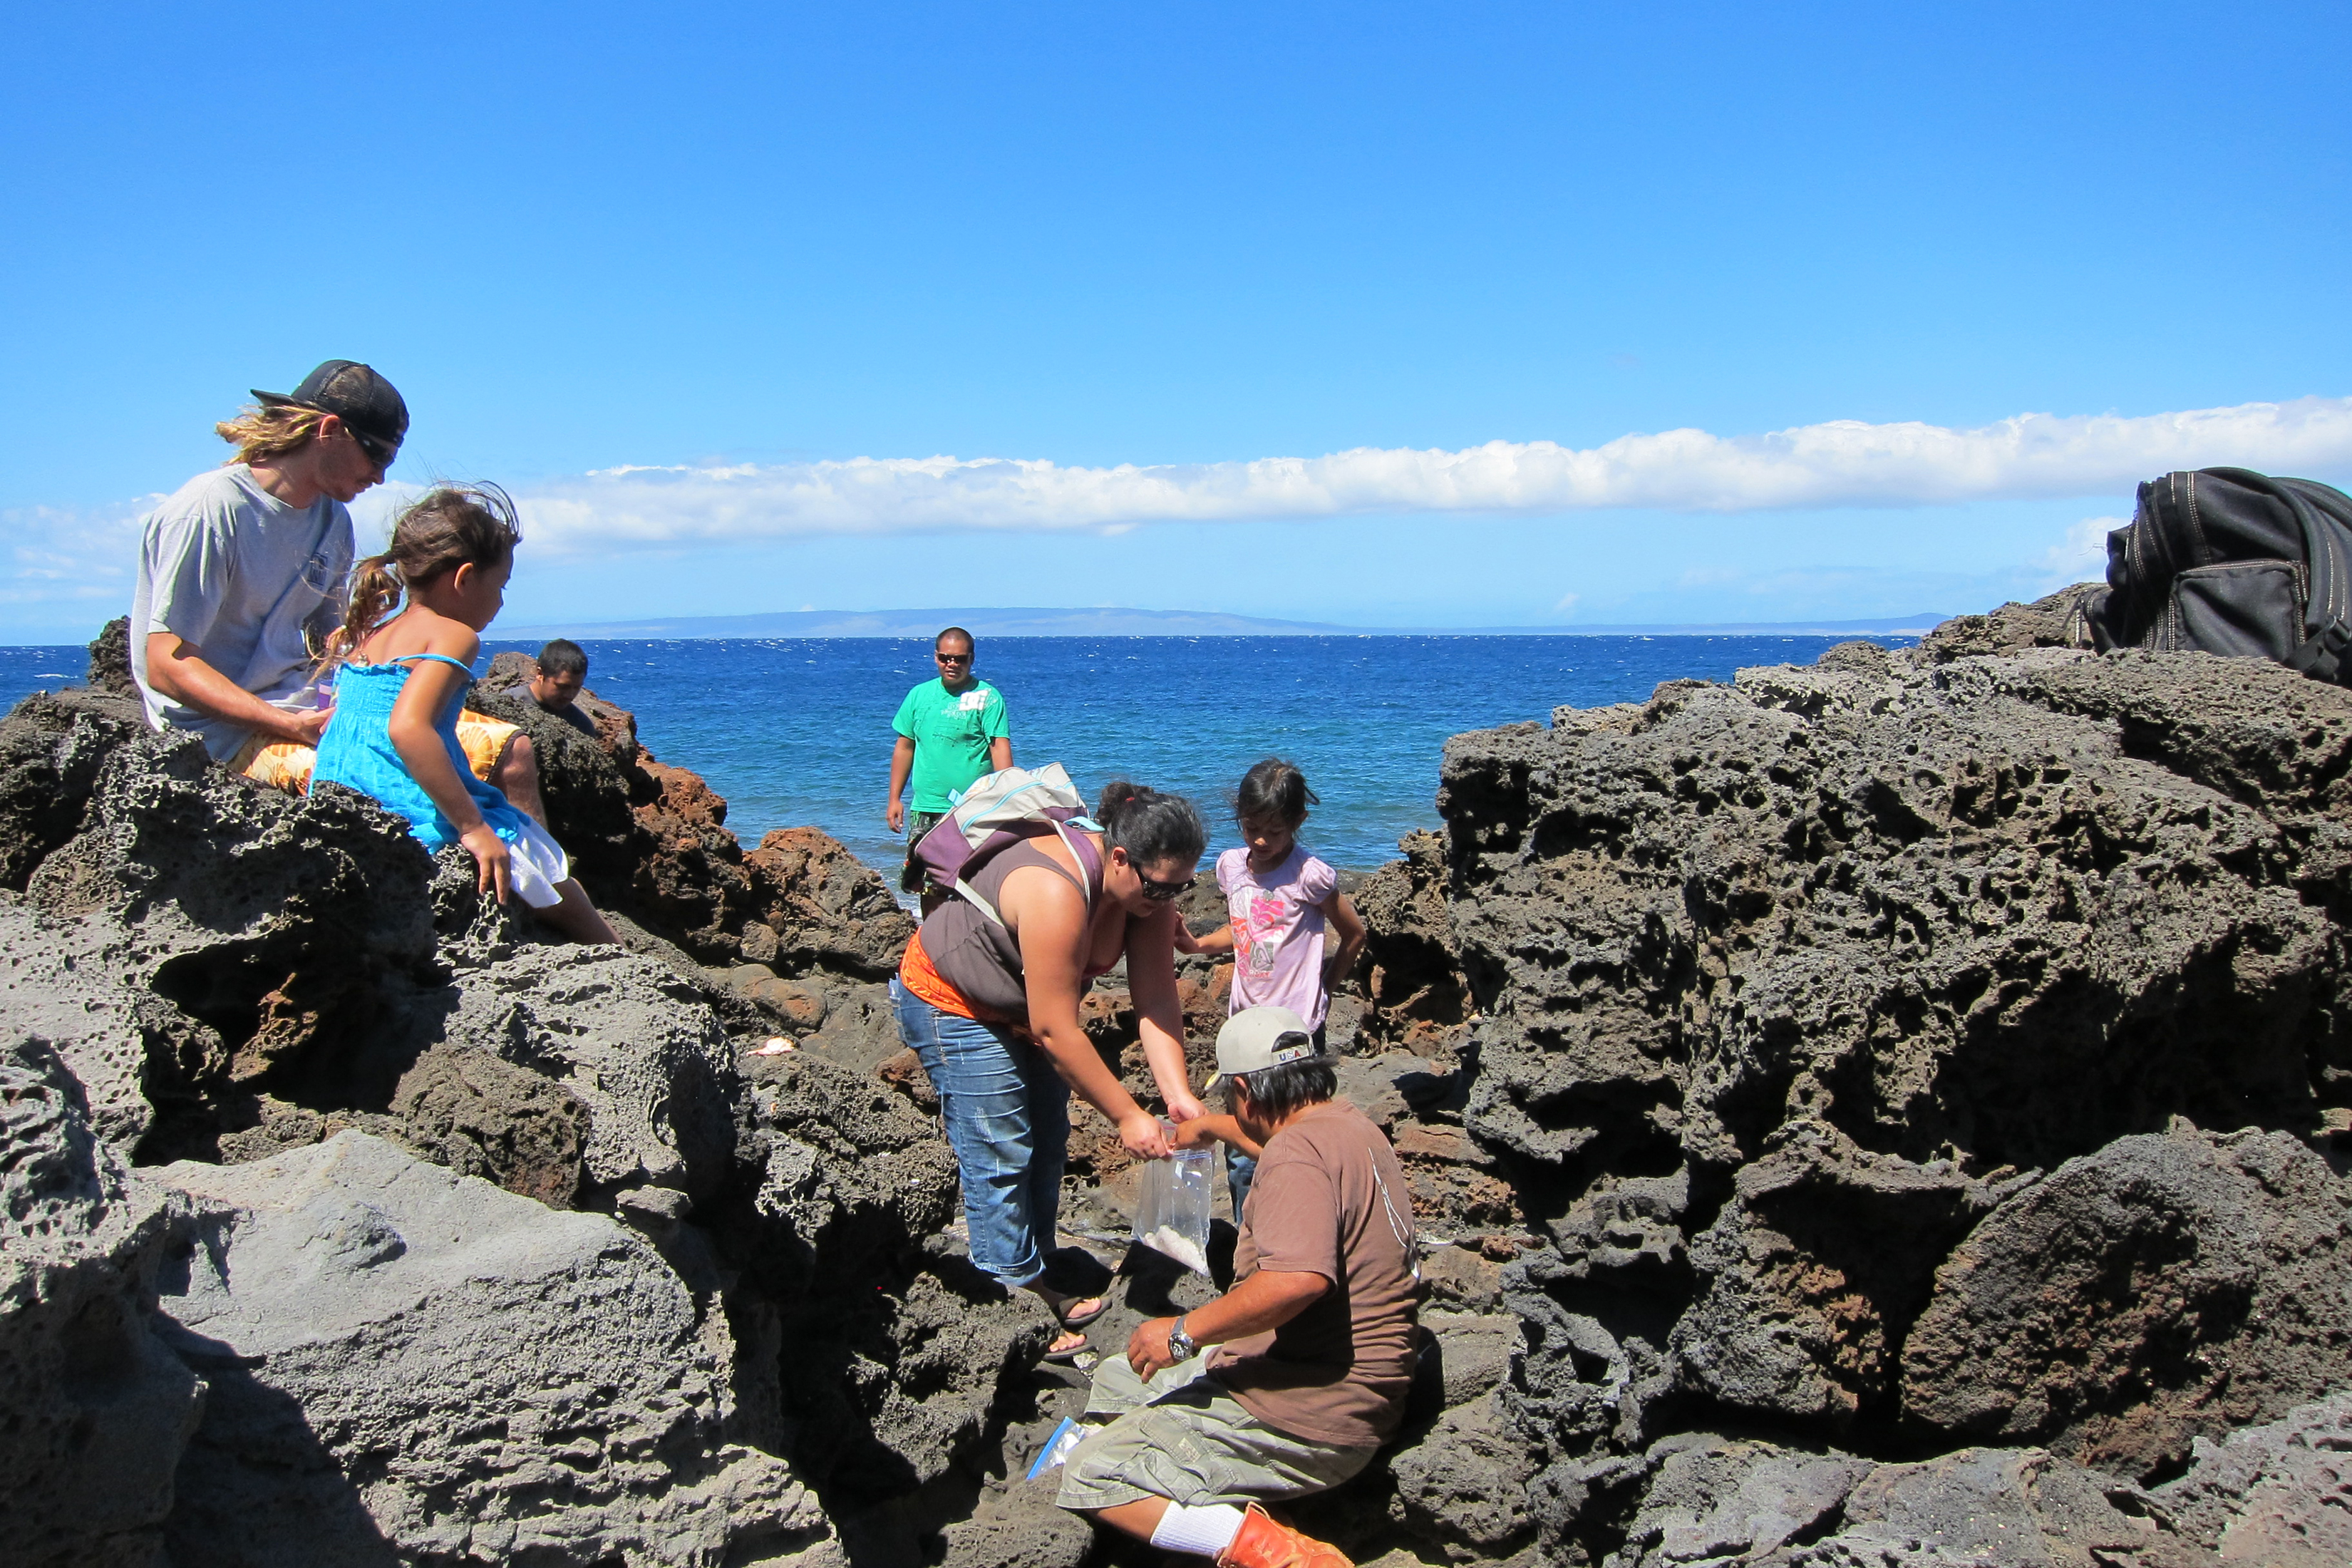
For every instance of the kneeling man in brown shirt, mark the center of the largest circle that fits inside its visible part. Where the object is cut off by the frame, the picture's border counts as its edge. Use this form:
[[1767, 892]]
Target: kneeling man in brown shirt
[[1312, 1347]]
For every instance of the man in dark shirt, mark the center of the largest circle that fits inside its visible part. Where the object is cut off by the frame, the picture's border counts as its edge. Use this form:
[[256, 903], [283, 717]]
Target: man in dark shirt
[[1315, 1342], [562, 671]]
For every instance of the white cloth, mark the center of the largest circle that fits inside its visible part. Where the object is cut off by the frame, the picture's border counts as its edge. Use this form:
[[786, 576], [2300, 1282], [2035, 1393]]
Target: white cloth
[[535, 864], [239, 575]]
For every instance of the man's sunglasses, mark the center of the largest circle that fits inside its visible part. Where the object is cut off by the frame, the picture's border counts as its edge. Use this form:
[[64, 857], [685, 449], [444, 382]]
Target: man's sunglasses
[[378, 453], [1162, 892], [953, 657]]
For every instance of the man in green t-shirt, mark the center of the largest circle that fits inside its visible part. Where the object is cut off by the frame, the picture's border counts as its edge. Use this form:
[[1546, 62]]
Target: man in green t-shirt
[[950, 731]]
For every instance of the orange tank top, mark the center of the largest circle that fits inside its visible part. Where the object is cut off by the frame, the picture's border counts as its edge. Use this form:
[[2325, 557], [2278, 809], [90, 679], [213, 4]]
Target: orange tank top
[[916, 974]]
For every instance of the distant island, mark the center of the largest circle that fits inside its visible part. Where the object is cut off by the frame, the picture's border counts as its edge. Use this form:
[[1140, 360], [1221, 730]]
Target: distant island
[[1115, 622]]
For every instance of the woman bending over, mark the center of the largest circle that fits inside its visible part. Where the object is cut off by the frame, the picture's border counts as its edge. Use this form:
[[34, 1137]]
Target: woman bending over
[[993, 1011]]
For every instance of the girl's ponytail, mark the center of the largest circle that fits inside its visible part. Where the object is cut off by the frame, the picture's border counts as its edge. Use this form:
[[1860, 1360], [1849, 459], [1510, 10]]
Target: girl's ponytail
[[375, 594]]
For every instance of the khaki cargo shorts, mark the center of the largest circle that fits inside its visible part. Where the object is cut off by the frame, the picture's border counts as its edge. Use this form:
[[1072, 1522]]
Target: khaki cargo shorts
[[1183, 1437]]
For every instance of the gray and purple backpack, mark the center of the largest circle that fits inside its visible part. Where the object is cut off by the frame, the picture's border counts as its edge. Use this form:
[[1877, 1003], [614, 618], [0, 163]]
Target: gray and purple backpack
[[997, 811]]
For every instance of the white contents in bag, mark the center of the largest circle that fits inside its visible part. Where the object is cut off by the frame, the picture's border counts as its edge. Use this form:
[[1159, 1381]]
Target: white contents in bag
[[1171, 1213], [1182, 1249]]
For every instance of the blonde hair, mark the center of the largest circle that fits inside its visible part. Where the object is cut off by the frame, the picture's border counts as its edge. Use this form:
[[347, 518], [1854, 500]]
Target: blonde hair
[[271, 430], [454, 526]]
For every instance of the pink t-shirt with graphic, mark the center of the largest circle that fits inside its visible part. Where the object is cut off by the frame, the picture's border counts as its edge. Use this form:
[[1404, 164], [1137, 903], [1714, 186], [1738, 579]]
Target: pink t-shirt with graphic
[[1278, 930]]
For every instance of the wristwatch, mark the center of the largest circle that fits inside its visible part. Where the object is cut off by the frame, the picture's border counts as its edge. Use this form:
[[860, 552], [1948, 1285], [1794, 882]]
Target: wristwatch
[[1179, 1343]]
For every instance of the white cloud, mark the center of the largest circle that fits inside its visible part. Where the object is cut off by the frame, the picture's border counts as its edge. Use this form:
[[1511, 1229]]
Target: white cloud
[[1842, 463], [56, 566], [2083, 555], [56, 558]]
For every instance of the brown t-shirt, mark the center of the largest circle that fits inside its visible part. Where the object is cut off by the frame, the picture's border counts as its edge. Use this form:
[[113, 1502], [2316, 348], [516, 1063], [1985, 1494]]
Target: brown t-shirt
[[1329, 1199]]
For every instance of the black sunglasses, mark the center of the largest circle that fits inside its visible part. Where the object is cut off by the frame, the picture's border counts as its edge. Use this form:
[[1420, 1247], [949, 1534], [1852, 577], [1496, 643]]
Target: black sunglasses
[[378, 453], [953, 657], [1162, 892]]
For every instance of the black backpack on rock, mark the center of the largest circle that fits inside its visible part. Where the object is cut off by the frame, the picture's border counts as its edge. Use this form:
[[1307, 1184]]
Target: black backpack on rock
[[2232, 561]]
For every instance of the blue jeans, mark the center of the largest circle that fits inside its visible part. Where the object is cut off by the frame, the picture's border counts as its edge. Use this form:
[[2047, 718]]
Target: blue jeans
[[1008, 1117], [1241, 1170]]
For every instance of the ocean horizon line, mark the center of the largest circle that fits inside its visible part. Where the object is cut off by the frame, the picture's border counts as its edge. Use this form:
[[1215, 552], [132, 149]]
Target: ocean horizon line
[[1112, 621]]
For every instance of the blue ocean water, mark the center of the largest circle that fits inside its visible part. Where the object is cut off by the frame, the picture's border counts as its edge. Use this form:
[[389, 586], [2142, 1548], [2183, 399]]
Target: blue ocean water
[[798, 731]]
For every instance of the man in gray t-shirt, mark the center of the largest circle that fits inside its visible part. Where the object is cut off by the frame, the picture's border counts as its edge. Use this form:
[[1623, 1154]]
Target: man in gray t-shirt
[[241, 571]]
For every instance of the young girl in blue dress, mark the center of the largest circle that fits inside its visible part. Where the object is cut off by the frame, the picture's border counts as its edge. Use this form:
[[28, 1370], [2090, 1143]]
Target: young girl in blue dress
[[395, 731]]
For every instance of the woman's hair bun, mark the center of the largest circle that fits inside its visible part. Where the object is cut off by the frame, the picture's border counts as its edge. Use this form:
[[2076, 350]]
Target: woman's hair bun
[[1150, 825]]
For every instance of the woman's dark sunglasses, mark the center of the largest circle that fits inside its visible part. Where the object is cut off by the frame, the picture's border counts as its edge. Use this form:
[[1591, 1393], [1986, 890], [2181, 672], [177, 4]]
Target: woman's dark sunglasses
[[1162, 892]]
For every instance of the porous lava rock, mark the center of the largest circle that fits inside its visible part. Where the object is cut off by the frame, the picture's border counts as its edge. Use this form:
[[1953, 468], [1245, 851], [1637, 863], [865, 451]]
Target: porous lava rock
[[1809, 1275], [407, 1363], [1721, 1500], [109, 660], [1799, 1083], [2168, 1285], [1731, 1502], [294, 987], [76, 984], [50, 749], [1415, 995], [480, 1115], [197, 936], [900, 1351], [825, 908], [95, 1412], [1994, 1508], [628, 1039], [2279, 1494], [851, 1177], [1022, 1527], [1782, 997], [2056, 621]]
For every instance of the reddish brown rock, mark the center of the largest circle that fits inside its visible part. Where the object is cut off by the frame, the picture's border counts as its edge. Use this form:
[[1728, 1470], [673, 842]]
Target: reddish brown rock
[[824, 905], [681, 795]]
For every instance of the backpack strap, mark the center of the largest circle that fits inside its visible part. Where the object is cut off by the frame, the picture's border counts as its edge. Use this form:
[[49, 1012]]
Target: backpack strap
[[2321, 656], [1082, 850]]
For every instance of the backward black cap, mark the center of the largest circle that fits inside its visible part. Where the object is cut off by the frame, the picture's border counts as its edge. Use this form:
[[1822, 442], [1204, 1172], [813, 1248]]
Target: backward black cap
[[355, 393]]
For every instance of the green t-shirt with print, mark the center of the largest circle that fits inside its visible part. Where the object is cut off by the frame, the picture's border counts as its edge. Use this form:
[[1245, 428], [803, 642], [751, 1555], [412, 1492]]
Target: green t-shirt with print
[[951, 730]]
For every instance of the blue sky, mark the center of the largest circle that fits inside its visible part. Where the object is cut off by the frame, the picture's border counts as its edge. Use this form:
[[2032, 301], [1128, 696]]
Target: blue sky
[[753, 244]]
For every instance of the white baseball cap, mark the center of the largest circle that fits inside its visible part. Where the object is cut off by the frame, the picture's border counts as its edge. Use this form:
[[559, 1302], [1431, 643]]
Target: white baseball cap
[[1259, 1037]]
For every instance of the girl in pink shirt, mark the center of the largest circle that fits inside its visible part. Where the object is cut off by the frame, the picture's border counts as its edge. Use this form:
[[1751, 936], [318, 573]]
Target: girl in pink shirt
[[1281, 904]]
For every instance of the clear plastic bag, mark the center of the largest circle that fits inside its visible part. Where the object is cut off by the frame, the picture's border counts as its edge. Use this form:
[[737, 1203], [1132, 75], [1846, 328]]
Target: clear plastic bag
[[1171, 1213]]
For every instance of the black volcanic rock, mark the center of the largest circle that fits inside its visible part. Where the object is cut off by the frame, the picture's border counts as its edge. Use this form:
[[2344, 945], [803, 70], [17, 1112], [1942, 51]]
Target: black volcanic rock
[[1800, 1084], [1826, 964]]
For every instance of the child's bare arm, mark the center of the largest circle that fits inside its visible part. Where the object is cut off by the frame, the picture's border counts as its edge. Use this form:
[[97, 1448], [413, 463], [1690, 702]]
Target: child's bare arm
[[1218, 943], [416, 736], [1203, 1130], [1350, 927]]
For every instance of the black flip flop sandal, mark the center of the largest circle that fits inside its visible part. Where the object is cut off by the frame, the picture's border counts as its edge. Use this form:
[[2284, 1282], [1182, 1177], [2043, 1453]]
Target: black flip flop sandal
[[1068, 1319]]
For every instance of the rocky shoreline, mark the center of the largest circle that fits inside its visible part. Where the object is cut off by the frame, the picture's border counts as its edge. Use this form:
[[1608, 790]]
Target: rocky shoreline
[[1887, 1111]]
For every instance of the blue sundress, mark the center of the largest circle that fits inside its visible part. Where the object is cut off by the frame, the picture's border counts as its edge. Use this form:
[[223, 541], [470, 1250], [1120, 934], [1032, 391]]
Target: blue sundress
[[357, 752]]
